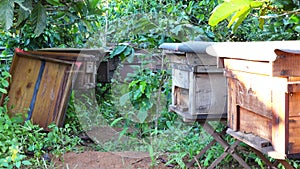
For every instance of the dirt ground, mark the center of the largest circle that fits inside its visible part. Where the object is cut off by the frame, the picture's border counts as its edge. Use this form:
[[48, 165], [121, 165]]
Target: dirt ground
[[109, 160]]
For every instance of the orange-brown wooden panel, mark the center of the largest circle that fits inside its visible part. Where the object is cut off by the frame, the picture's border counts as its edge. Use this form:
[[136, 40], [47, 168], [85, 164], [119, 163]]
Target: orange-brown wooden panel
[[24, 77], [48, 100], [294, 104], [232, 116], [250, 122], [253, 92], [264, 68], [286, 66], [280, 119], [294, 136]]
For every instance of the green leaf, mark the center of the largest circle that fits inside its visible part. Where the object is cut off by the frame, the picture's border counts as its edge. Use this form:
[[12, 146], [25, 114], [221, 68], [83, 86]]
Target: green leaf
[[117, 50], [26, 5], [18, 164], [238, 15], [54, 2], [5, 83], [6, 13], [226, 9], [4, 91], [297, 28], [116, 121], [59, 15], [94, 3], [240, 20], [24, 12], [39, 18], [26, 162], [256, 4]]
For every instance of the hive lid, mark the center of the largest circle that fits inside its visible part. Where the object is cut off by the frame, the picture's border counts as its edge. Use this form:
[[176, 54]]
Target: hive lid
[[188, 47], [257, 51]]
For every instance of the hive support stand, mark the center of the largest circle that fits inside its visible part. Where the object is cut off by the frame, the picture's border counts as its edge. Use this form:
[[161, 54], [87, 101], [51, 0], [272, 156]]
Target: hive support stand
[[218, 138], [260, 147]]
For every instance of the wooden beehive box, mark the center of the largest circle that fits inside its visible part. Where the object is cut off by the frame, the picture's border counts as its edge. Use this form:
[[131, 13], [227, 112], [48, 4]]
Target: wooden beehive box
[[39, 88], [198, 86], [264, 91], [90, 66]]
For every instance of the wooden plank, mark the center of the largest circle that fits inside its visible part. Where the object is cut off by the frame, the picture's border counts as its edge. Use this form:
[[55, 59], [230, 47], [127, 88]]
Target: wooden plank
[[280, 126], [253, 91], [294, 104], [294, 137], [210, 93], [293, 79], [192, 93], [66, 92], [181, 78], [24, 75], [232, 114], [49, 96], [200, 59], [264, 68], [255, 142], [67, 55], [177, 58], [286, 65], [251, 122]]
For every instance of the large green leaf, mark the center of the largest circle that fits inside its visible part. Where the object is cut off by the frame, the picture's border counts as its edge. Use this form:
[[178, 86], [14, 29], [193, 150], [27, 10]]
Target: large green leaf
[[239, 16], [25, 4], [6, 13], [24, 12], [226, 9], [54, 2], [39, 18]]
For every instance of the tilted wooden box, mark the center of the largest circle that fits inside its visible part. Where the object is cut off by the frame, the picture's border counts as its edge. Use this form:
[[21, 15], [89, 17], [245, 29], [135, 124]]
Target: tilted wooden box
[[198, 86], [39, 88], [264, 91]]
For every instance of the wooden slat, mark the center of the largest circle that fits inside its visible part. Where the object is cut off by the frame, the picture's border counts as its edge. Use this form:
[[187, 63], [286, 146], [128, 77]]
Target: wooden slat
[[280, 120], [294, 137], [264, 68], [256, 142], [24, 75], [200, 59], [250, 122], [65, 56], [232, 114], [66, 92], [294, 104], [50, 94]]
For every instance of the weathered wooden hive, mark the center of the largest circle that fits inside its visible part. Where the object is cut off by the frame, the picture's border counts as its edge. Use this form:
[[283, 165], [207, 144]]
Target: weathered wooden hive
[[198, 86], [40, 87], [263, 91]]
